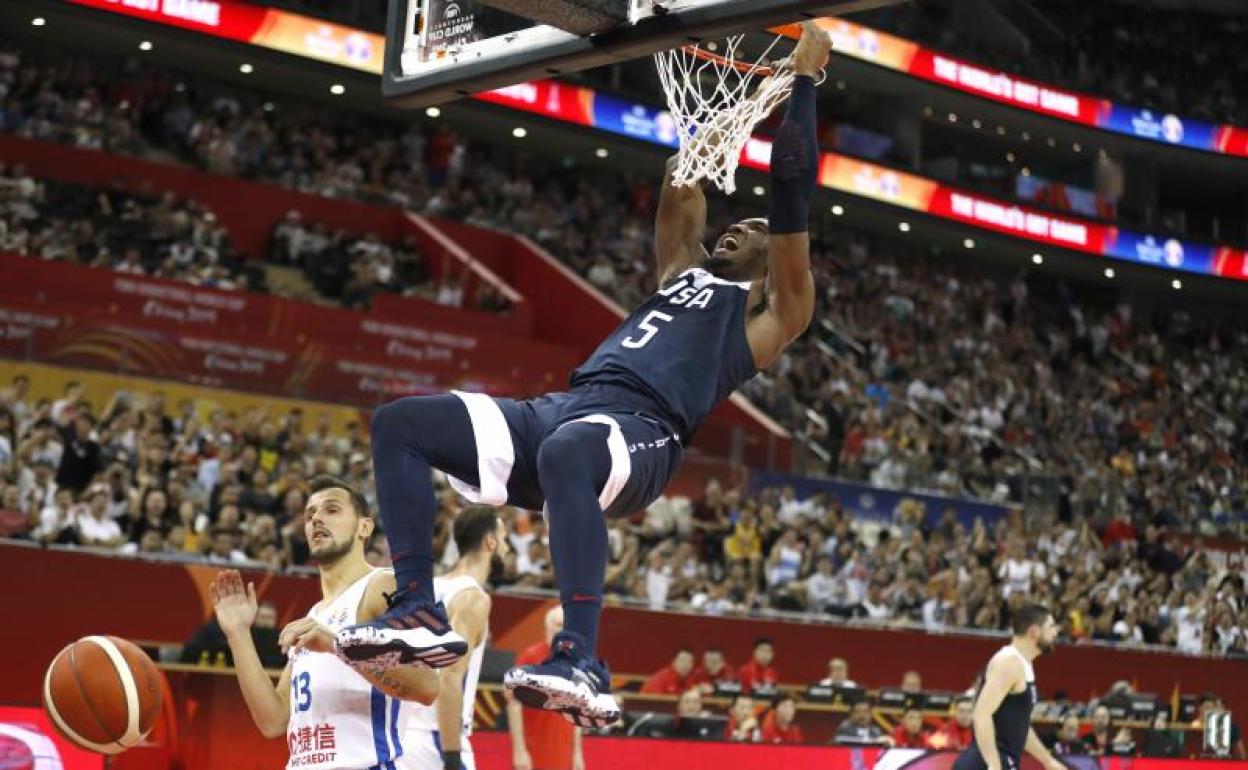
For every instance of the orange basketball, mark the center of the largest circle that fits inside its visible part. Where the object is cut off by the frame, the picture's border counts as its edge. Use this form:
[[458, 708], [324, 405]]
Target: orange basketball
[[102, 693]]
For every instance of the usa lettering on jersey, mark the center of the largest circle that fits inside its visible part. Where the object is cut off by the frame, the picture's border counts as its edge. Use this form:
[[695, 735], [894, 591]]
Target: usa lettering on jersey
[[684, 293]]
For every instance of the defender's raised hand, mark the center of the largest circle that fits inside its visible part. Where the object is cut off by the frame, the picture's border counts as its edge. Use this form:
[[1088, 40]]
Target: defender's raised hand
[[234, 604]]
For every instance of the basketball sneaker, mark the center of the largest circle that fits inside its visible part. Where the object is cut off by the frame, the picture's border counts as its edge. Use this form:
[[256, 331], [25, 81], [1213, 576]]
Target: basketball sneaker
[[411, 631], [569, 681]]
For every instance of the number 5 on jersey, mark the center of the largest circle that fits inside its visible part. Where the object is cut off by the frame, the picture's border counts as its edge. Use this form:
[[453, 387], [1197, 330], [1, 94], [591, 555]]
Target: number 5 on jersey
[[648, 329], [301, 687]]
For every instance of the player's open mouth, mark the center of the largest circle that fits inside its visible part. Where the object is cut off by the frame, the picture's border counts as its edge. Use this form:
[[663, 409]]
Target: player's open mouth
[[319, 535], [728, 243]]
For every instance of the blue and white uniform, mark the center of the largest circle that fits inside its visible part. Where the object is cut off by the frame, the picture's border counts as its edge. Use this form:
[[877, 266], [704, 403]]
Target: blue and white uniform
[[338, 721], [423, 742]]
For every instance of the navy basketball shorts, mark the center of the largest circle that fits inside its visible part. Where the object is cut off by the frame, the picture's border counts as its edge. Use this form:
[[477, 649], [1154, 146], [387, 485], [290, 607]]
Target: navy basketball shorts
[[971, 759], [644, 452]]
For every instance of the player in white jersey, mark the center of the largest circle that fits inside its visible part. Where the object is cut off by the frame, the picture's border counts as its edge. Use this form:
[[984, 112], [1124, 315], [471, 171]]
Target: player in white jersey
[[437, 736], [333, 717]]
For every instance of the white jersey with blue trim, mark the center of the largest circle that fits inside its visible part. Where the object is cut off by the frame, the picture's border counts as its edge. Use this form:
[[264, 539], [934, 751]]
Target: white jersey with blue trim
[[423, 725], [338, 721]]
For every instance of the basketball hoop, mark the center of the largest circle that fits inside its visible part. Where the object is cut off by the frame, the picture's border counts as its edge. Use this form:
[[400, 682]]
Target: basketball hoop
[[761, 68], [714, 121]]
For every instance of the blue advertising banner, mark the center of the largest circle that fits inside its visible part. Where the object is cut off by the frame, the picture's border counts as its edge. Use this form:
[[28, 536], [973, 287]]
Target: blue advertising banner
[[1158, 251], [1159, 127], [867, 502], [634, 120]]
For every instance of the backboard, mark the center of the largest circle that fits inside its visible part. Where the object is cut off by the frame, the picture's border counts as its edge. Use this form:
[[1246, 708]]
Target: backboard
[[440, 50]]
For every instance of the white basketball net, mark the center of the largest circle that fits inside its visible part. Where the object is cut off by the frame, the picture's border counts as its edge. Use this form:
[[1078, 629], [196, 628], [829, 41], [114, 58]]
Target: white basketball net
[[715, 101]]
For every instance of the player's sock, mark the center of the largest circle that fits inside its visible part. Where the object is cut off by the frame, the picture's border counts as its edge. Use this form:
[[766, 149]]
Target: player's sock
[[794, 162], [573, 464], [408, 436]]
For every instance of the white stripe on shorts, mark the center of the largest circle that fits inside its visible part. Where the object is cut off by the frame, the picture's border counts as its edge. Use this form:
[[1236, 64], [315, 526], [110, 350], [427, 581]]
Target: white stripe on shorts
[[621, 463], [495, 453]]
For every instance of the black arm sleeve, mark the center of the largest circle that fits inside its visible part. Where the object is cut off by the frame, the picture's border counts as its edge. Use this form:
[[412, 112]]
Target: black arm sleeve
[[795, 162]]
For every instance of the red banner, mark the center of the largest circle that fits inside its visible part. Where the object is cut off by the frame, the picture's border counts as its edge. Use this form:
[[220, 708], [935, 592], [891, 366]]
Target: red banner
[[267, 27], [410, 360], [1004, 88], [1019, 221], [243, 339], [574, 104]]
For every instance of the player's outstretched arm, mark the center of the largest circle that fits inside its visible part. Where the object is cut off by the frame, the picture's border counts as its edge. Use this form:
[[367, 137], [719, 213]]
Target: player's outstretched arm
[[1003, 672], [469, 615], [794, 173], [679, 226], [416, 683], [236, 609]]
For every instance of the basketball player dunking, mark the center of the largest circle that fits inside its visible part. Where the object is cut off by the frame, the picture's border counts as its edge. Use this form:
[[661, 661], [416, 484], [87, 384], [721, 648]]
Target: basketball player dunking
[[1002, 715], [437, 735], [332, 717], [609, 445]]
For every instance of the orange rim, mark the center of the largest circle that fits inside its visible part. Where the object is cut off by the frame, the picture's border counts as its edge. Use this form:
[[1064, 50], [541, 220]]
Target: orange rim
[[724, 61]]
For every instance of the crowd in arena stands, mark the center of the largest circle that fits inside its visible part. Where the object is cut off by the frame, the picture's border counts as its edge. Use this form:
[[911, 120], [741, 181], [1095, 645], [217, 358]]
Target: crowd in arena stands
[[921, 376], [1177, 60], [350, 270], [892, 383], [1129, 581], [132, 232], [764, 712], [142, 476], [161, 236], [593, 219], [154, 233]]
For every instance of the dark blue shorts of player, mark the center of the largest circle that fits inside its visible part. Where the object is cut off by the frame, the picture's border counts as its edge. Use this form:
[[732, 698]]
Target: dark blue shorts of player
[[971, 759], [644, 451]]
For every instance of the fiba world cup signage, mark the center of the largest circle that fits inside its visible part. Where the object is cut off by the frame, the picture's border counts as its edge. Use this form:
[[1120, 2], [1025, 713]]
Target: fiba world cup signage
[[448, 24]]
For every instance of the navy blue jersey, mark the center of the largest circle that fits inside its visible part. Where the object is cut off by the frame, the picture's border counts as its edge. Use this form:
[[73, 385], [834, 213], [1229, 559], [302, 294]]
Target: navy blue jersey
[[684, 349], [1012, 720]]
